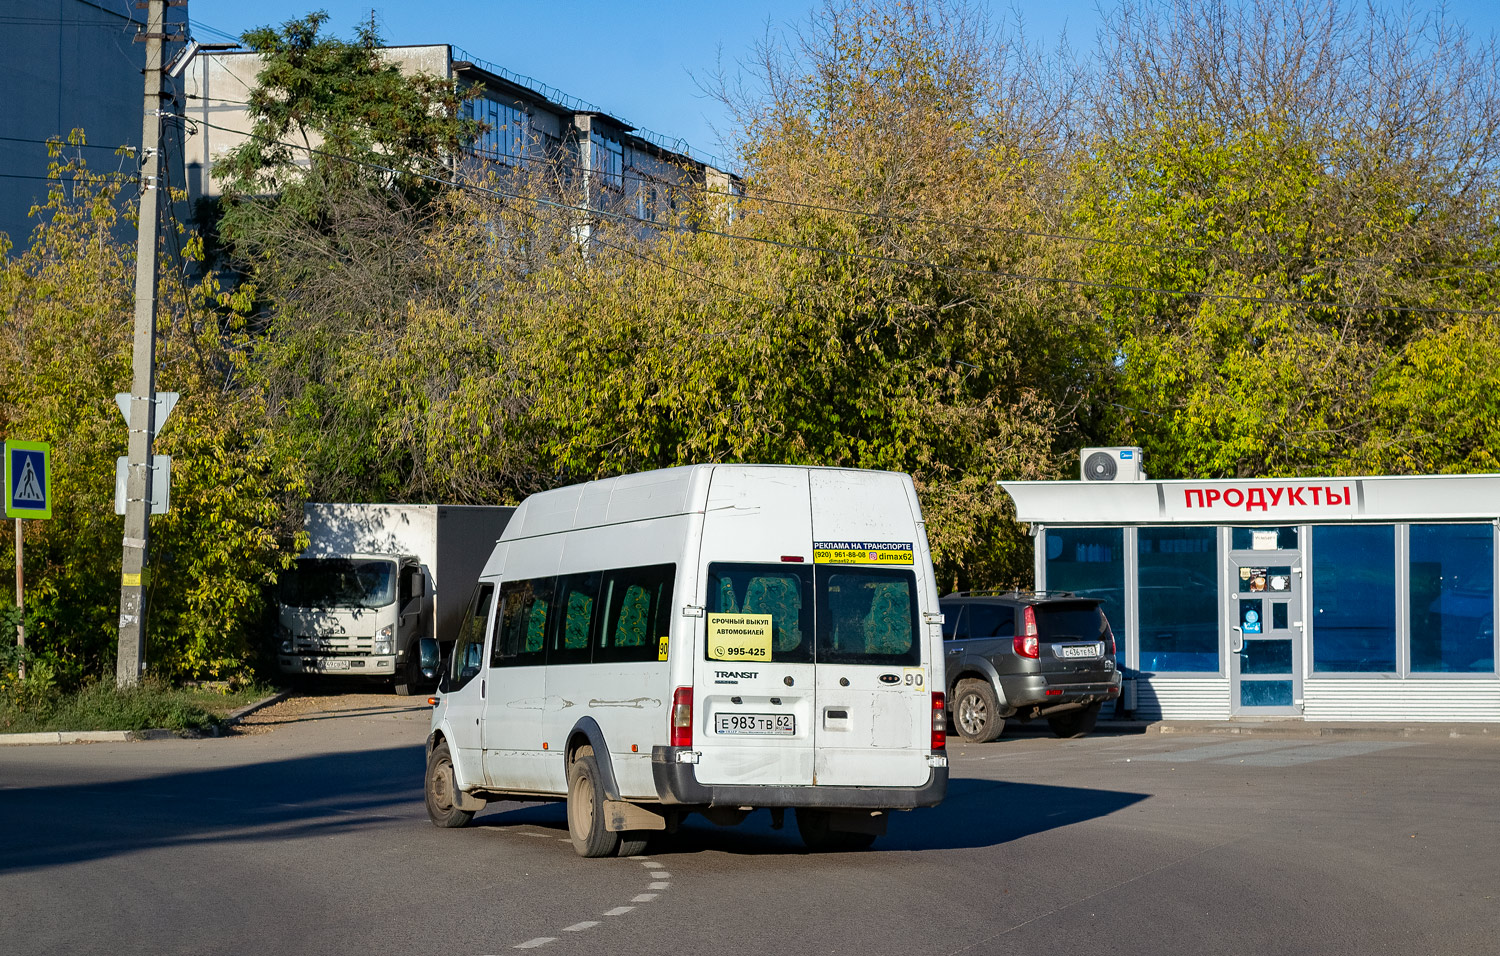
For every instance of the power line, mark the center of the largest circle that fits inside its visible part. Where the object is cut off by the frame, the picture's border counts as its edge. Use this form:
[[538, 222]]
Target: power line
[[871, 257]]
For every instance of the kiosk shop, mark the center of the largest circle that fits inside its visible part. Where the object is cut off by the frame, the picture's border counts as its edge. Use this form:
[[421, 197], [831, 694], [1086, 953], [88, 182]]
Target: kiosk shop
[[1348, 599]]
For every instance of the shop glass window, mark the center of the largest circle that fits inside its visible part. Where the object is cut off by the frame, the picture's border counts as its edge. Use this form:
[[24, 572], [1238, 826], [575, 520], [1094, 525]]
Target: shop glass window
[[1090, 562], [1178, 596], [1354, 598], [1452, 598]]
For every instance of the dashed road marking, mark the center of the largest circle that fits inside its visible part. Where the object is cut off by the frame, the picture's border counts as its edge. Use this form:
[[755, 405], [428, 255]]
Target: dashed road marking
[[659, 885], [580, 927], [619, 911], [661, 875], [534, 943], [644, 897]]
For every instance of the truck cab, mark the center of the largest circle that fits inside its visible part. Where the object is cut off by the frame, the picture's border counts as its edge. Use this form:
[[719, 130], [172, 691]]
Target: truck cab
[[355, 614]]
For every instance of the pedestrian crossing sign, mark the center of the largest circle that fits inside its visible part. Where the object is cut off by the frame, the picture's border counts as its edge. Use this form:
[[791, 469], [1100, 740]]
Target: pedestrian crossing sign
[[28, 479]]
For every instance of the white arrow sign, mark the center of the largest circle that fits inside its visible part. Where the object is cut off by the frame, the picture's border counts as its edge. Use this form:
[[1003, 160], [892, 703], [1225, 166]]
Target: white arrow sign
[[165, 402]]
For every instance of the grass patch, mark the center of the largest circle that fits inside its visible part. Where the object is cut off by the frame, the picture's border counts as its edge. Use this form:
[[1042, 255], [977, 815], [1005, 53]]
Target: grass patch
[[102, 706]]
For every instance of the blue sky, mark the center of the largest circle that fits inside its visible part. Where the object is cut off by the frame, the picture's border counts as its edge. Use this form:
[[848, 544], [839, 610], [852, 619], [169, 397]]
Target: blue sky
[[638, 60]]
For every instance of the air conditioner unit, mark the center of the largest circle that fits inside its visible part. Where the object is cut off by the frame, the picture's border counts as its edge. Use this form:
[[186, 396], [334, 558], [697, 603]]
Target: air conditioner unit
[[1111, 464]]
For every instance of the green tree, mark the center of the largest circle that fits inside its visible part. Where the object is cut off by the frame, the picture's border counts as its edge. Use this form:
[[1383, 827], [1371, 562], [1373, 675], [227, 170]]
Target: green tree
[[67, 303], [1288, 197], [328, 206]]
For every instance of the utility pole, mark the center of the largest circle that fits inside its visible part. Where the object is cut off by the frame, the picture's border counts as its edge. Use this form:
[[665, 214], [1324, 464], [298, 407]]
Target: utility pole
[[131, 662]]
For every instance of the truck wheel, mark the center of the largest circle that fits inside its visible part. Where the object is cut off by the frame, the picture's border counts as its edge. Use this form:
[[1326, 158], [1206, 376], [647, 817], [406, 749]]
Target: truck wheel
[[976, 712], [1075, 723], [586, 808], [441, 806], [409, 678], [813, 826]]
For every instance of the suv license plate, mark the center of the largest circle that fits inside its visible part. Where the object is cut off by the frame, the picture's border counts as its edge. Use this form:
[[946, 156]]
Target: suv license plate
[[775, 724], [1079, 650]]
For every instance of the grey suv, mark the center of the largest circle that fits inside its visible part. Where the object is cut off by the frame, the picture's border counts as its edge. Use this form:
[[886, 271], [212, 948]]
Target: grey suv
[[1026, 654]]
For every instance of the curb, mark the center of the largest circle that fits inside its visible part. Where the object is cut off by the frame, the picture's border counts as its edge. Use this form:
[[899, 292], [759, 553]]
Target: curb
[[1301, 728], [236, 716], [121, 736]]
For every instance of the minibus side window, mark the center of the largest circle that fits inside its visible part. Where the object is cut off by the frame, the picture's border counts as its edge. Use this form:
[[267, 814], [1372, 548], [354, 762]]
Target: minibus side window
[[867, 616], [637, 606], [784, 592], [577, 606], [468, 647], [521, 625]]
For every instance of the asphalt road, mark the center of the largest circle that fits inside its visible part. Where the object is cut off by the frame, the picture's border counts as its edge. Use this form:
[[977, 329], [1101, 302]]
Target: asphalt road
[[309, 836]]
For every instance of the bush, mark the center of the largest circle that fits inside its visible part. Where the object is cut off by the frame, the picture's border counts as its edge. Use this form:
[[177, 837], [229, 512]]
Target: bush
[[36, 704]]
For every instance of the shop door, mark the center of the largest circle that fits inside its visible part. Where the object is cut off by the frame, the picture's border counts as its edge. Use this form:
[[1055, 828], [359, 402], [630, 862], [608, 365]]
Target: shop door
[[1265, 633]]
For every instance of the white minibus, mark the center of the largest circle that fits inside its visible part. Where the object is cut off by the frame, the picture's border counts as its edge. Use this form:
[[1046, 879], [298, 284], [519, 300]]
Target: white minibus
[[708, 639]]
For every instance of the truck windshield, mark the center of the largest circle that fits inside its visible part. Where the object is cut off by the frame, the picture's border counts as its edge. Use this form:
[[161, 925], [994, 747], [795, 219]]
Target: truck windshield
[[339, 582]]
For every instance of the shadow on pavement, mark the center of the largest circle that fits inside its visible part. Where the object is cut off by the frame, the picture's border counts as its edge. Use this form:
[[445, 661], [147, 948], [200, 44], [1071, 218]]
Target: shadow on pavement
[[976, 813], [322, 794]]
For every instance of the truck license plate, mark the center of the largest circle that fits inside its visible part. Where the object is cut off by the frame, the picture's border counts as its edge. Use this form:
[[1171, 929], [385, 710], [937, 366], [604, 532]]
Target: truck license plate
[[333, 665], [775, 724]]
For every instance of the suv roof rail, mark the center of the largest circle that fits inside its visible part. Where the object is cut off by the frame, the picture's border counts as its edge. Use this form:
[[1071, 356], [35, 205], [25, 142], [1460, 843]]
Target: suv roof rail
[[1011, 592]]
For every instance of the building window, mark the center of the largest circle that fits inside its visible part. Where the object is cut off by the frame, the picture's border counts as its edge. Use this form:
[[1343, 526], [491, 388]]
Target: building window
[[608, 161], [1090, 562], [508, 133], [1178, 598], [1452, 598], [1354, 598]]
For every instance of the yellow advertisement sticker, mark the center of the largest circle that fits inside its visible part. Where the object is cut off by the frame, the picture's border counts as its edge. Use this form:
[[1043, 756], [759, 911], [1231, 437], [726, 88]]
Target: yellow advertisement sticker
[[862, 552], [739, 637]]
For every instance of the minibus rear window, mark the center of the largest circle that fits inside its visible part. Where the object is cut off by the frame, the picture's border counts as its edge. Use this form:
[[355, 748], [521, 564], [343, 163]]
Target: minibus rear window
[[867, 616], [747, 594]]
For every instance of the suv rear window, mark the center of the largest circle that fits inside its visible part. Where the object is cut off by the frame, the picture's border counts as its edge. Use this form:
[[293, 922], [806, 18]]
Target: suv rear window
[[1061, 622]]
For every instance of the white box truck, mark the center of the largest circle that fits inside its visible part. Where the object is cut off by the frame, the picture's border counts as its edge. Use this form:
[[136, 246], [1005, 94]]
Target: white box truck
[[377, 578]]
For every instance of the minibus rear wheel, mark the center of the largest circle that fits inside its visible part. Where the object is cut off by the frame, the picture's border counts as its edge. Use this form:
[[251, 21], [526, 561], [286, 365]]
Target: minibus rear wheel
[[586, 826]]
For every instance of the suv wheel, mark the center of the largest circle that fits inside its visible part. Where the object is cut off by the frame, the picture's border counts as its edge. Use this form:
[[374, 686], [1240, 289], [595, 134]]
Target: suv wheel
[[1075, 723], [976, 712]]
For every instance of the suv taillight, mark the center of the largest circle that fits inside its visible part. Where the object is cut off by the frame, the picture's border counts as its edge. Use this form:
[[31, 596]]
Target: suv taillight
[[682, 717], [1109, 638], [1025, 641], [939, 721]]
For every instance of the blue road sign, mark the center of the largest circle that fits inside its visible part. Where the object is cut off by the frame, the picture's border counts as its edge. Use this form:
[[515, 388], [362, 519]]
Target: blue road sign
[[28, 479]]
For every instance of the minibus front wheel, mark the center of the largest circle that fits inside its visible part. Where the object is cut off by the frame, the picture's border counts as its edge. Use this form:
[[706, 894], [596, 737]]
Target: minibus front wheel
[[442, 790]]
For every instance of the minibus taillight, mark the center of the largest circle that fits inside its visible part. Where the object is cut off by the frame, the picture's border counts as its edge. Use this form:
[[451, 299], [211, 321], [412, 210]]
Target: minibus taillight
[[682, 717], [939, 721], [1025, 641]]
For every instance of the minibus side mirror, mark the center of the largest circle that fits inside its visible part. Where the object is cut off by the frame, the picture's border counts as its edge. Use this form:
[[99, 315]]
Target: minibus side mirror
[[431, 658]]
